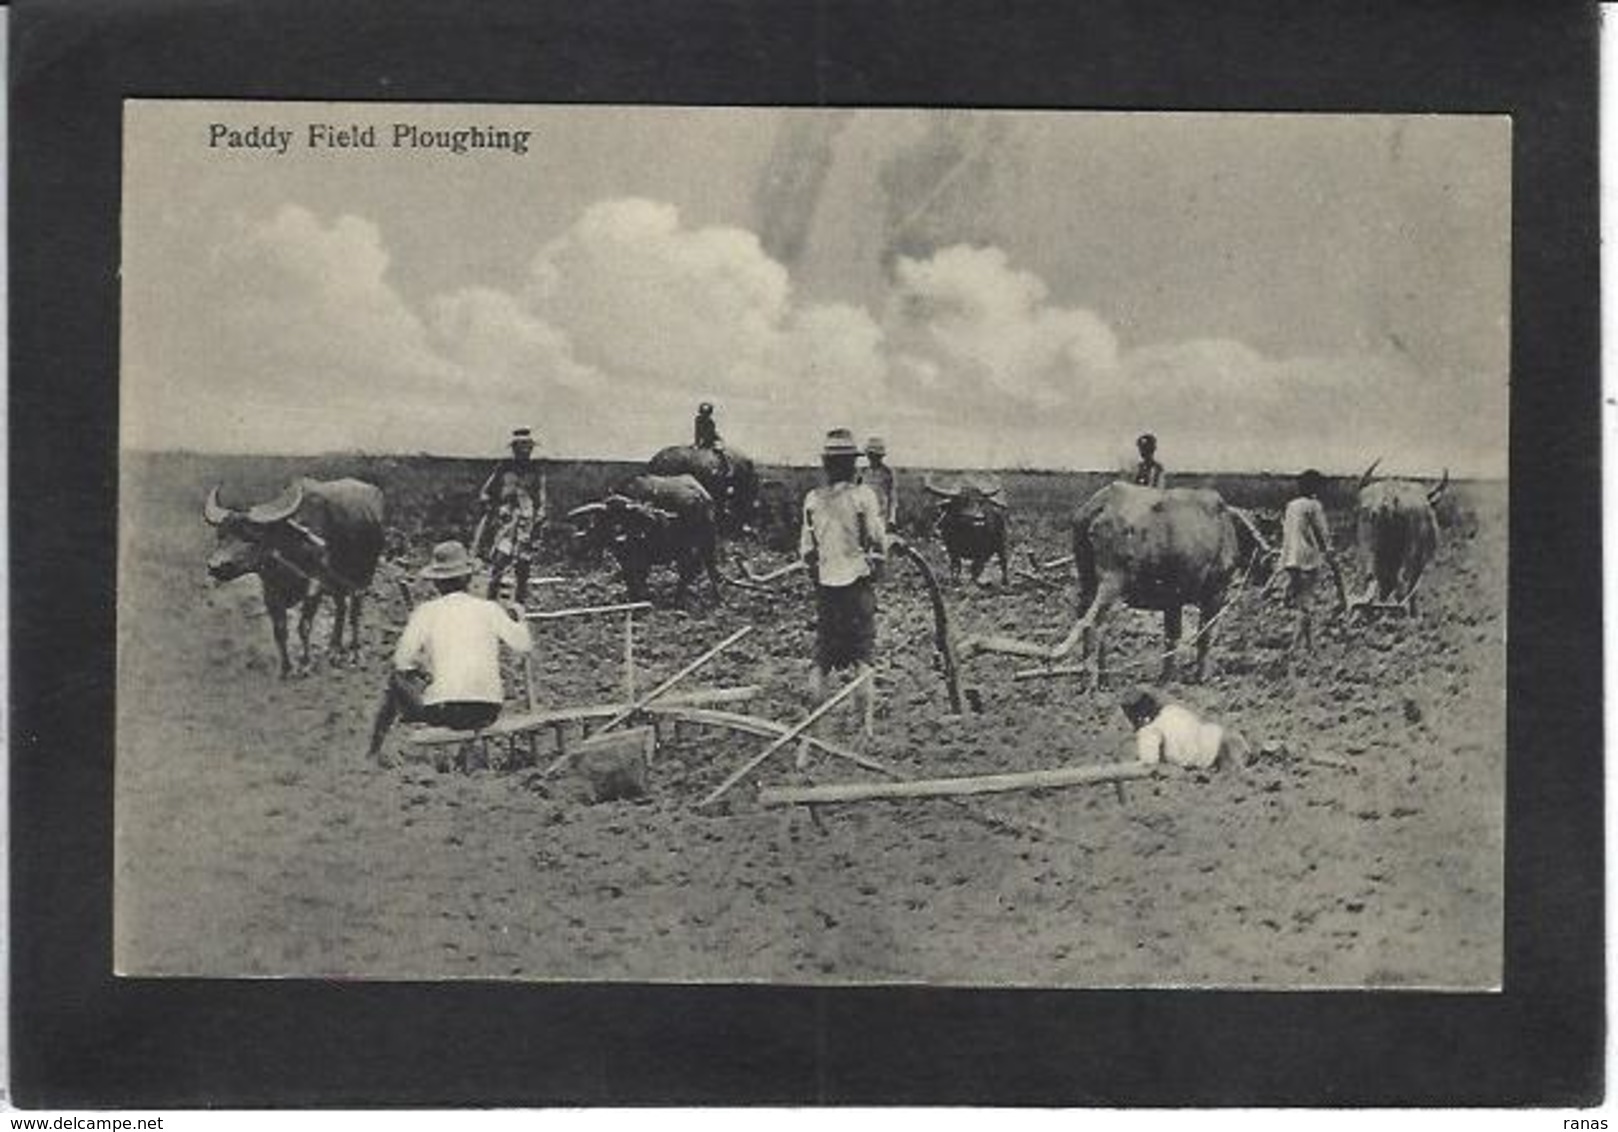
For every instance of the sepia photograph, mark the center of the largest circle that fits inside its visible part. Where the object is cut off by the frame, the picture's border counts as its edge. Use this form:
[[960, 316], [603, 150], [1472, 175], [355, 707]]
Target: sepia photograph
[[944, 547]]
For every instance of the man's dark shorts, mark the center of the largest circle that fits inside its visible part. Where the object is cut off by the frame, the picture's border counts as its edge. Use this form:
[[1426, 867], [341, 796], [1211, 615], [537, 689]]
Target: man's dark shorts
[[458, 715], [847, 624]]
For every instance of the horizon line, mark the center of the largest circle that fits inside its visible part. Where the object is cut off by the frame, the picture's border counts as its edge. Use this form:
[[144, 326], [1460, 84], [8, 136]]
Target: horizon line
[[1027, 469]]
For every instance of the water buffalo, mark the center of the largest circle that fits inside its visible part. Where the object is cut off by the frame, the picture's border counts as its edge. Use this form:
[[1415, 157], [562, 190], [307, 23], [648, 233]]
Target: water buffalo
[[731, 479], [1398, 534], [315, 538], [655, 520], [1151, 549], [972, 525]]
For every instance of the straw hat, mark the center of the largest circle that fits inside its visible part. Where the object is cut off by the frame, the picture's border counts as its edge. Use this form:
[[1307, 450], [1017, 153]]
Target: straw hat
[[521, 436], [450, 560], [840, 442], [876, 446]]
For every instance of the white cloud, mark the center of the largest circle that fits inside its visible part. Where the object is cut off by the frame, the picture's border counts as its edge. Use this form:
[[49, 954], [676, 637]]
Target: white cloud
[[646, 299], [307, 305], [630, 316], [966, 312], [500, 344]]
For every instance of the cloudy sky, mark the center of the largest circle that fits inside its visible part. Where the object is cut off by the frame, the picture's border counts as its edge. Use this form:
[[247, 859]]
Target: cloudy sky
[[984, 289]]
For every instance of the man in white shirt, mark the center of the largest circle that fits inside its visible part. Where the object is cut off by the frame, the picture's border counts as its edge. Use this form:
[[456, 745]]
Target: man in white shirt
[[845, 542], [456, 638], [1305, 544], [1174, 734]]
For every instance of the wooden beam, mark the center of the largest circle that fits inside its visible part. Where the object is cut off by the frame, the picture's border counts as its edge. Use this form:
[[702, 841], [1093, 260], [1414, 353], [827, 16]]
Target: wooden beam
[[1042, 673], [640, 704], [658, 691], [530, 721], [766, 729], [787, 736], [956, 787], [587, 611], [764, 579], [755, 725]]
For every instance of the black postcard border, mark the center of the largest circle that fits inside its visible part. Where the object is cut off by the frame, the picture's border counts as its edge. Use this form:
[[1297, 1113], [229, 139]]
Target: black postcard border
[[83, 1039]]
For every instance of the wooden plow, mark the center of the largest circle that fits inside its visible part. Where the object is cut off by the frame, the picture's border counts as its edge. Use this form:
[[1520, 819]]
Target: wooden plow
[[1365, 606], [942, 641], [521, 732]]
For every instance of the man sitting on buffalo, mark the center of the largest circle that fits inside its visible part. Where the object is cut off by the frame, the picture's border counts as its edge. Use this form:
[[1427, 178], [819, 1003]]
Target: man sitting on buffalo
[[514, 506], [1148, 473], [447, 662], [844, 542], [1305, 544], [705, 433]]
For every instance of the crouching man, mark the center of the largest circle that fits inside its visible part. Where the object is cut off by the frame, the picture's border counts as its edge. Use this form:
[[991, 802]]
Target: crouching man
[[447, 663], [1174, 734]]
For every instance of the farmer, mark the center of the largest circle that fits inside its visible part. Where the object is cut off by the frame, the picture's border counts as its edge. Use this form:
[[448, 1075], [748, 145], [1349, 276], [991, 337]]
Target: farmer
[[844, 542], [706, 436], [1148, 473], [1174, 734], [705, 431], [1305, 543], [514, 507], [458, 637], [880, 478]]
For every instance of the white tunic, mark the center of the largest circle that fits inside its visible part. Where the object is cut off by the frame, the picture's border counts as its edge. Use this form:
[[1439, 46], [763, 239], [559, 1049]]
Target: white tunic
[[1304, 534], [841, 522], [1177, 736], [459, 637]]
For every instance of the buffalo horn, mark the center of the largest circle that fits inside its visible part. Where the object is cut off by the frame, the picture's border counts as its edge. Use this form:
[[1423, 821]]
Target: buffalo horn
[[1365, 478], [1437, 493], [586, 509], [213, 512], [282, 507]]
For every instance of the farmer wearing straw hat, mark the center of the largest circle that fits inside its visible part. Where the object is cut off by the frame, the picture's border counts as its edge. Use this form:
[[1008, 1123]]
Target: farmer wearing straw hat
[[514, 506], [844, 543], [456, 637], [880, 478]]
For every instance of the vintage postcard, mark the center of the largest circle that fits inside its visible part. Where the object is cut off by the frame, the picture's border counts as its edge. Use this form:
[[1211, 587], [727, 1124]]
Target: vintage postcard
[[949, 547]]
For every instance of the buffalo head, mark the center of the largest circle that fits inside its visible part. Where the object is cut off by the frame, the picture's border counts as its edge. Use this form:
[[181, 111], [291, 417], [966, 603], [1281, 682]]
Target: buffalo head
[[617, 522], [251, 538], [971, 505], [1434, 494]]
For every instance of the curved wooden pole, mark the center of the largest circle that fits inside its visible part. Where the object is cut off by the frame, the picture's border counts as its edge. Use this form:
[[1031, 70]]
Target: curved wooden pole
[[941, 637]]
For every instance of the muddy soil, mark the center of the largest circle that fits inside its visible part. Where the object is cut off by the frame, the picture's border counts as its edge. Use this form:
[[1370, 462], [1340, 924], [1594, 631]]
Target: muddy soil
[[254, 838]]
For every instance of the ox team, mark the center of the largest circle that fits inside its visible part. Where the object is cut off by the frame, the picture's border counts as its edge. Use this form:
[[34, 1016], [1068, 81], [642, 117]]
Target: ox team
[[1136, 542]]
